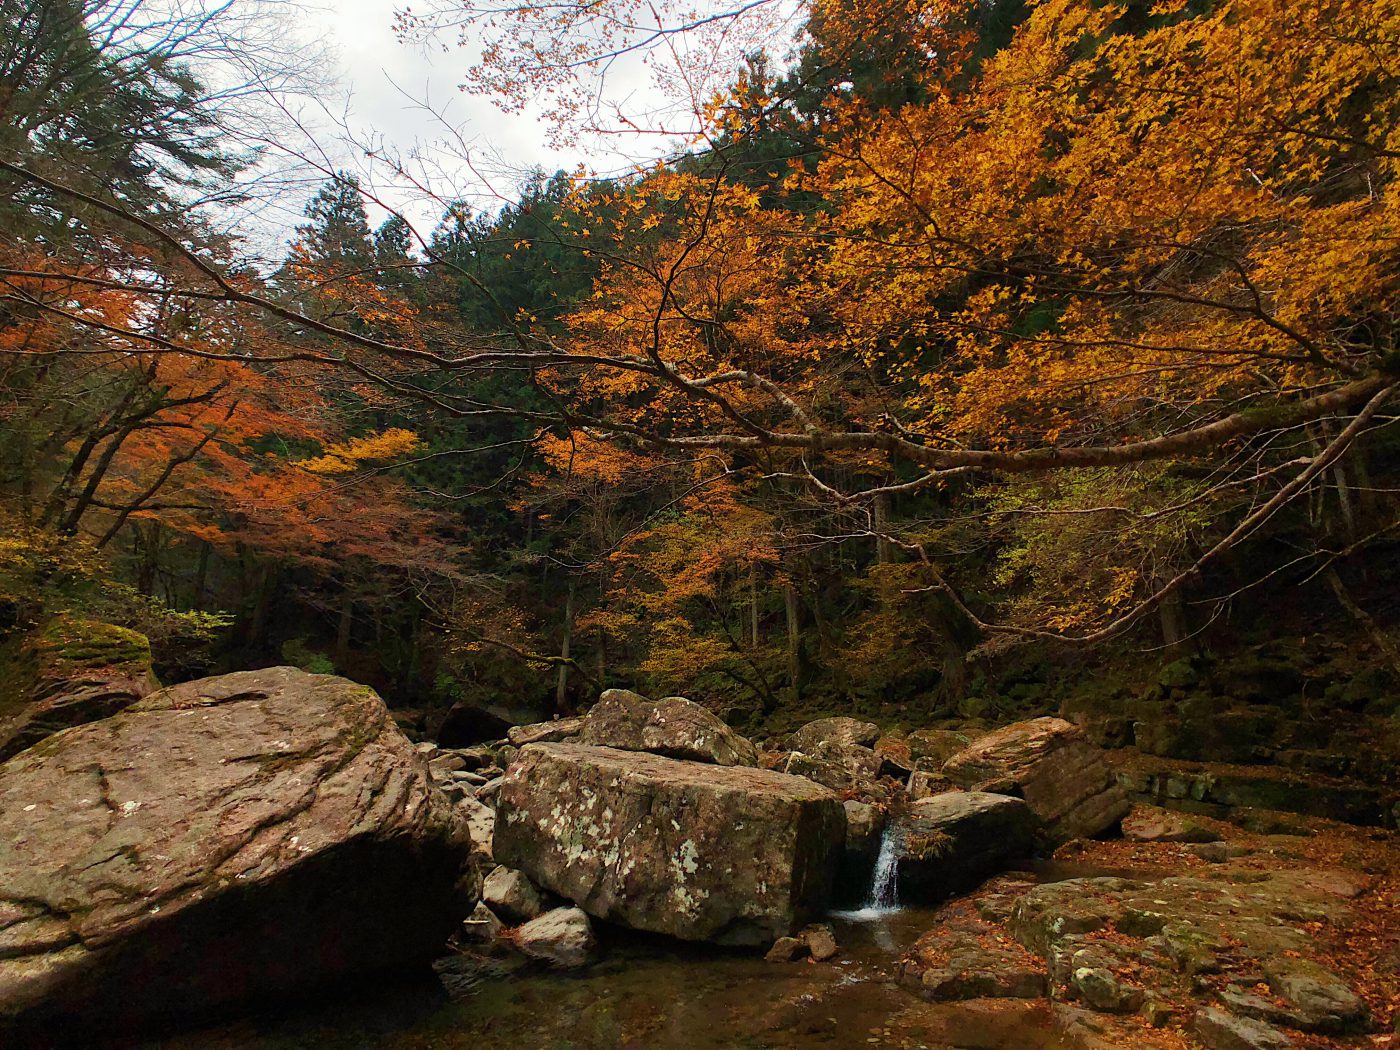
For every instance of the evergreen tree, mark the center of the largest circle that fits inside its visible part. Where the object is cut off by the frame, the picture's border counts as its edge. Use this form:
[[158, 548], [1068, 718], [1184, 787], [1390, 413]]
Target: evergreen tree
[[337, 235]]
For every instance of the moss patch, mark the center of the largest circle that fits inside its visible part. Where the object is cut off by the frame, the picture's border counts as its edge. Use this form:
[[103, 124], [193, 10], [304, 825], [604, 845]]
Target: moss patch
[[67, 647]]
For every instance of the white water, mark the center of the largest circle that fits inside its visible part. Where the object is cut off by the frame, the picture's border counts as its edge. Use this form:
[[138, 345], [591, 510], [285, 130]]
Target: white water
[[884, 881]]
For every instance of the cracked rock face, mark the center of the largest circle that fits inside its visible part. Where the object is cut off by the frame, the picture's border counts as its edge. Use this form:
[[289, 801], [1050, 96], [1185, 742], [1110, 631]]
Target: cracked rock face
[[1051, 764], [728, 854], [672, 726], [221, 840]]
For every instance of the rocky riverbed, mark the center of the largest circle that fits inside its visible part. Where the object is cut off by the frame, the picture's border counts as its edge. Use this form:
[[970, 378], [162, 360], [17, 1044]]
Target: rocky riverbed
[[268, 845]]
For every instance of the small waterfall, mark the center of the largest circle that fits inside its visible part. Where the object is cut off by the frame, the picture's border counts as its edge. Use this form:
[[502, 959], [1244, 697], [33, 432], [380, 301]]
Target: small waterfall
[[884, 882]]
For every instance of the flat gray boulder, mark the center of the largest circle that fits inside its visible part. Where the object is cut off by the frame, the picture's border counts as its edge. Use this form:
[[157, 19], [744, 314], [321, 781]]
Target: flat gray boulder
[[672, 726], [728, 854], [226, 839]]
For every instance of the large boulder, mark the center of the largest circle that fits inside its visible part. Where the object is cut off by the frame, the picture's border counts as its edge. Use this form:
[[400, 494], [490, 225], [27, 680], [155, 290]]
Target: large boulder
[[70, 673], [729, 854], [953, 841], [1051, 764], [840, 730], [221, 840], [672, 726]]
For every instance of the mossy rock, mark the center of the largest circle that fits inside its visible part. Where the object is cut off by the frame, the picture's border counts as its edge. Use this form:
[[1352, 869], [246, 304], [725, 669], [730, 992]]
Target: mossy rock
[[69, 647], [1367, 690], [70, 672], [1179, 674]]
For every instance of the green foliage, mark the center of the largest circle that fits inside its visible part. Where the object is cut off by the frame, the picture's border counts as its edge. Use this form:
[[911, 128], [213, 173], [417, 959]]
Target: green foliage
[[297, 653], [1081, 545], [48, 579], [337, 233], [130, 121]]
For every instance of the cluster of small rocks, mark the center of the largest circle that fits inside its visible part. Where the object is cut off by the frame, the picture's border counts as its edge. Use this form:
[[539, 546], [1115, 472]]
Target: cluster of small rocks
[[513, 913]]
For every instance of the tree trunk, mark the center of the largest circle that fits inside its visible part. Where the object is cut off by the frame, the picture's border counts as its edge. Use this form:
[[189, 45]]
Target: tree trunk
[[201, 576], [343, 628], [149, 550], [753, 608], [794, 638], [256, 624], [880, 515], [1363, 619], [561, 687], [1172, 613]]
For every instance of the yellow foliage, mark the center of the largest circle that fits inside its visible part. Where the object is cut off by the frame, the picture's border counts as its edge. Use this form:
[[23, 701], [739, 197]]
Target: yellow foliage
[[344, 457]]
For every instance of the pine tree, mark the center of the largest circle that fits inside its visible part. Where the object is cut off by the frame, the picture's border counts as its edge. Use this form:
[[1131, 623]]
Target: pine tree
[[337, 238]]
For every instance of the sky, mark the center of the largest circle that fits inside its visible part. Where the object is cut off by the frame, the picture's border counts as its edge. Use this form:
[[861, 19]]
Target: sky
[[379, 100], [404, 99]]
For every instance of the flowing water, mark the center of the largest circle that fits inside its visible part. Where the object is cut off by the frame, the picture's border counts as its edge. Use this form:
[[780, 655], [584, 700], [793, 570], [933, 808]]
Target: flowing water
[[883, 898]]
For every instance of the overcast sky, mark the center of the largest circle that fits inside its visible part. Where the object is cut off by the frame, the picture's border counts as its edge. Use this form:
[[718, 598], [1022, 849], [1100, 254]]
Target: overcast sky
[[405, 98], [379, 97]]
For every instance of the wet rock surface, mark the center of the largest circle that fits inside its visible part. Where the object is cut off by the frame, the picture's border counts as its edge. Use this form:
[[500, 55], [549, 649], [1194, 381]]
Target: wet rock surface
[[963, 958], [562, 937], [210, 844], [730, 854], [1273, 946]]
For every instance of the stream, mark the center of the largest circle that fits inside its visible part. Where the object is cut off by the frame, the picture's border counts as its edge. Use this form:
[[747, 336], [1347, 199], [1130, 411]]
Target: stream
[[651, 993], [654, 993]]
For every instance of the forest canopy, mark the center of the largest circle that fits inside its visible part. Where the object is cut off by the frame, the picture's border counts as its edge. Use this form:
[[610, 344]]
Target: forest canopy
[[957, 330]]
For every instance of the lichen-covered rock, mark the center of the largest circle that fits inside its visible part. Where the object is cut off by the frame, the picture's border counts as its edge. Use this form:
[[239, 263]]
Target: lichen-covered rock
[[840, 730], [672, 726], [562, 937], [957, 960], [864, 823], [922, 785], [936, 746], [728, 854], [481, 821], [839, 766], [1320, 1000], [954, 840], [225, 839], [1218, 1030], [1047, 761], [70, 673]]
